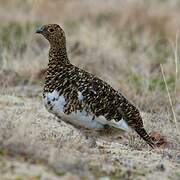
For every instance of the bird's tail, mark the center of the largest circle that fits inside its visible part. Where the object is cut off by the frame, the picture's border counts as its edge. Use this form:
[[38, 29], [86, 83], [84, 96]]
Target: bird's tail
[[145, 136]]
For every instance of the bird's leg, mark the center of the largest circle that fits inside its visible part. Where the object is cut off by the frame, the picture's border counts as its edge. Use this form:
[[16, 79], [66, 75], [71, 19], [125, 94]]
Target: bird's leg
[[131, 140]]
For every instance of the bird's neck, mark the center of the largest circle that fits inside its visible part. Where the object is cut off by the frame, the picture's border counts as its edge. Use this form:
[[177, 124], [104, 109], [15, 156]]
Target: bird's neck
[[58, 55], [58, 60]]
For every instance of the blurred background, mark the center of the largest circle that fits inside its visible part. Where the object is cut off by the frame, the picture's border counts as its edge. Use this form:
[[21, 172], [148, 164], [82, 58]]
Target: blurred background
[[122, 42]]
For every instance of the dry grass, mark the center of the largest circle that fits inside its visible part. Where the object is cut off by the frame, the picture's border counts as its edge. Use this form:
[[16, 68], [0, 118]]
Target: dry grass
[[124, 43]]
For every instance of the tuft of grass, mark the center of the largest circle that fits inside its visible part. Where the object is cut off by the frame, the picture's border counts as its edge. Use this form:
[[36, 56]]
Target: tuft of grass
[[13, 35], [102, 18], [161, 50], [169, 96], [136, 81], [157, 82]]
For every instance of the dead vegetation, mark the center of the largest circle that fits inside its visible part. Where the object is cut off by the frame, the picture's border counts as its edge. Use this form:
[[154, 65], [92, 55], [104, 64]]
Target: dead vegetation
[[123, 42]]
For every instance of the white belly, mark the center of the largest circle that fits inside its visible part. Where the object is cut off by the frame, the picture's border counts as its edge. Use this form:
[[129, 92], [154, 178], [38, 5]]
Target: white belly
[[55, 104]]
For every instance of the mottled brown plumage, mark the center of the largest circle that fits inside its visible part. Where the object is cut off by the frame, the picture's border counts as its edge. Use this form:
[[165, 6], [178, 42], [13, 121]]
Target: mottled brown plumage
[[97, 98]]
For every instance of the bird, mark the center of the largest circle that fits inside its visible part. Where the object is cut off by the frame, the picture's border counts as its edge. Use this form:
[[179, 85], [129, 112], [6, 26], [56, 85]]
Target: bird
[[80, 98]]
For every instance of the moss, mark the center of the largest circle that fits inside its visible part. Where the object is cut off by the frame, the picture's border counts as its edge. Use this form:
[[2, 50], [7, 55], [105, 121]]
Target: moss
[[37, 177], [60, 173], [2, 152], [18, 178], [178, 174]]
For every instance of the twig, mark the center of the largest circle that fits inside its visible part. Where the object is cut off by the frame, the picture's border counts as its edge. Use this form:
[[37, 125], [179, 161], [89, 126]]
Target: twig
[[167, 89], [176, 62]]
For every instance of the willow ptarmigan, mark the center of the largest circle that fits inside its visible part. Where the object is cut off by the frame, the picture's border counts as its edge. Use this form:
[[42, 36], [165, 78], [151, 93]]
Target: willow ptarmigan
[[79, 97]]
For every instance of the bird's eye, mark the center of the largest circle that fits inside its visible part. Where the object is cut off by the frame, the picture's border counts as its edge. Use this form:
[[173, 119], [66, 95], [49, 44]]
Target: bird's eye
[[51, 30]]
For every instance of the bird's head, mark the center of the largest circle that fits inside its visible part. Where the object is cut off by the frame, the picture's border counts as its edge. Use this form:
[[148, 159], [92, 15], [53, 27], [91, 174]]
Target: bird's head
[[53, 33]]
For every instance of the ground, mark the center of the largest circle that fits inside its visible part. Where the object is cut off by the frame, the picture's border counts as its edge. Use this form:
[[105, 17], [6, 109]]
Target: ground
[[133, 45]]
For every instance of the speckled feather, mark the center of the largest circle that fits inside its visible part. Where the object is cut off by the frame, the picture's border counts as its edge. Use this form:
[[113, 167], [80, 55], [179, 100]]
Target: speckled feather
[[97, 97]]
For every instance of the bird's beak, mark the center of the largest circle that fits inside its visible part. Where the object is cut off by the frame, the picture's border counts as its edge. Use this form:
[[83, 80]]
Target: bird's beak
[[40, 30]]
